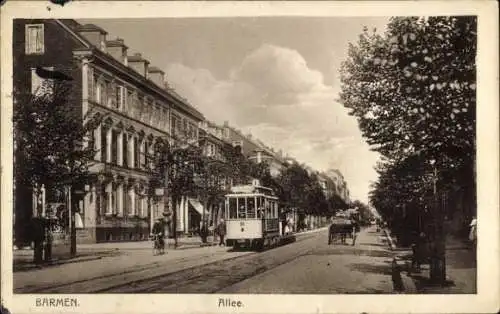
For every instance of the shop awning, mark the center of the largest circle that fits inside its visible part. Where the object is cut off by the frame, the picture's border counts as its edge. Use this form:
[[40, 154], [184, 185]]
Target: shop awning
[[196, 205]]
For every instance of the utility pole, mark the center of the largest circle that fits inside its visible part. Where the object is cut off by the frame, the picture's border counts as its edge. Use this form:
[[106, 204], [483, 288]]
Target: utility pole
[[438, 258]]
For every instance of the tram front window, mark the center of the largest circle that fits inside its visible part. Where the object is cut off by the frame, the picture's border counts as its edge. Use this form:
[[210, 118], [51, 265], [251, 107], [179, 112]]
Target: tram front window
[[242, 209], [250, 207], [233, 213]]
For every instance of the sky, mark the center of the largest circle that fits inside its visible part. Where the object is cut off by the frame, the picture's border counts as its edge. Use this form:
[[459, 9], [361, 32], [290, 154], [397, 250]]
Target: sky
[[274, 77]]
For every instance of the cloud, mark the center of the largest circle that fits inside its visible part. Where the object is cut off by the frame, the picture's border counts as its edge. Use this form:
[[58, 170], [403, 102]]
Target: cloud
[[275, 95], [279, 74]]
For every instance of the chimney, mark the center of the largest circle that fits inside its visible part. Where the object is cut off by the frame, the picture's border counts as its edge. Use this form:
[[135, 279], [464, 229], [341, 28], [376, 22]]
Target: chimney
[[117, 49], [157, 76], [94, 34], [138, 63]]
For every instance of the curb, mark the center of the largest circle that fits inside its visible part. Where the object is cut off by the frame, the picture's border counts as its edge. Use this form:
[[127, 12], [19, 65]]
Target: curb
[[392, 245], [402, 282], [58, 263], [408, 284]]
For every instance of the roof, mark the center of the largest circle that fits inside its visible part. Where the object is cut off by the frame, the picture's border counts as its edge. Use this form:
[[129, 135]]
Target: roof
[[155, 70], [136, 58], [73, 27], [118, 42], [91, 28]]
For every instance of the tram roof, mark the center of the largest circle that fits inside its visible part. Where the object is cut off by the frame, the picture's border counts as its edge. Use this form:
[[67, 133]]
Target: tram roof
[[250, 195]]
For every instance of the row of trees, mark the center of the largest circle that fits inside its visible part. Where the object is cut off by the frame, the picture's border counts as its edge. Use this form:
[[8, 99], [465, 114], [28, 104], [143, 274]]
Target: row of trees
[[190, 173], [413, 92]]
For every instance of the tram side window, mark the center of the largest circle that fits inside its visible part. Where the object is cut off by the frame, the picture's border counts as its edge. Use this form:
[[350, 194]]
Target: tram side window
[[233, 209], [268, 209], [260, 207], [242, 208], [251, 207]]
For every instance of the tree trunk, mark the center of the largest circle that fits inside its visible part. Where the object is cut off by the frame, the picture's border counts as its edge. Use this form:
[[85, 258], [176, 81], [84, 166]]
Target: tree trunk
[[438, 250]]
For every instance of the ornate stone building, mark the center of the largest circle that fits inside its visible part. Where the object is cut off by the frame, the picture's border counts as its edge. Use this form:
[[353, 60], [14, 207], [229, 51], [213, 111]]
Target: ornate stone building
[[138, 112]]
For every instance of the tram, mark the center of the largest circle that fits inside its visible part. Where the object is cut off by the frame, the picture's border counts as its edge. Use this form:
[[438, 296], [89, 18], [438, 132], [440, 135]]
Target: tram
[[254, 219]]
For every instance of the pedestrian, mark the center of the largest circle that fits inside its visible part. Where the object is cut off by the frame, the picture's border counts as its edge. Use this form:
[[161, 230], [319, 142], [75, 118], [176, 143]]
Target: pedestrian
[[37, 237], [204, 232], [221, 231], [166, 231], [49, 237], [159, 234], [355, 229], [473, 231]]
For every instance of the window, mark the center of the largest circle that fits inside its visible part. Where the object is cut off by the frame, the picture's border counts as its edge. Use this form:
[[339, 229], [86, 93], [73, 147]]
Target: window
[[175, 124], [260, 207], [251, 207], [104, 140], [143, 154], [137, 153], [112, 96], [242, 210], [120, 97], [125, 149], [34, 39], [232, 208], [114, 146], [41, 86]]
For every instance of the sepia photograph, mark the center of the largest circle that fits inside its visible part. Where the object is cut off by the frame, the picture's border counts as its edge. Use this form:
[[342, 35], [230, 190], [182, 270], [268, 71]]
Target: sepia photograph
[[245, 155]]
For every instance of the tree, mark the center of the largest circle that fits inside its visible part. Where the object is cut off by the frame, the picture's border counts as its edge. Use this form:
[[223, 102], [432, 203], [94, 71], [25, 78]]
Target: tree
[[212, 182], [365, 214], [412, 91], [174, 167], [52, 146]]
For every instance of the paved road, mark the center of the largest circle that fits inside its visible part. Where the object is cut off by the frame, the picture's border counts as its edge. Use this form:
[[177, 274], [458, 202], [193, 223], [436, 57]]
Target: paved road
[[324, 269], [306, 266], [127, 266]]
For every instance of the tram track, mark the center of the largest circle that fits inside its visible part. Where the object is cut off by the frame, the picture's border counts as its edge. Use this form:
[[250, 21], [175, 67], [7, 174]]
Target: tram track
[[213, 277], [153, 272]]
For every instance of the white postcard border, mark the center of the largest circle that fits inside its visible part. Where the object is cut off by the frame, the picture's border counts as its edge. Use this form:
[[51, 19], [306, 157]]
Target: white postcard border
[[487, 154]]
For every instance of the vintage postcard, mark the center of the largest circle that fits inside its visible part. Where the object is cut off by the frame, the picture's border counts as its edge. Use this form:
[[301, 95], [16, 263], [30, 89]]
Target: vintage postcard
[[249, 157]]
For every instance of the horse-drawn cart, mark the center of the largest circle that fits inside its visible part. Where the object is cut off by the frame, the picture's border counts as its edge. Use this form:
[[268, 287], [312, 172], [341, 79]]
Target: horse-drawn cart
[[341, 228]]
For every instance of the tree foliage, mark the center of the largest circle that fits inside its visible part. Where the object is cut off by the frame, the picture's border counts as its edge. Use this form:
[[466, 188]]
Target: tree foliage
[[413, 92], [413, 89], [50, 136]]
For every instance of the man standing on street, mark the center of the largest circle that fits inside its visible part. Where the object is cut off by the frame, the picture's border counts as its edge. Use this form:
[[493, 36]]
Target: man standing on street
[[221, 231], [38, 238]]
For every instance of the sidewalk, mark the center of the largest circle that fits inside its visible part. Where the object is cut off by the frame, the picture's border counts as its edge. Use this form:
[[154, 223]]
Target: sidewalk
[[128, 257], [461, 269], [126, 261], [23, 258]]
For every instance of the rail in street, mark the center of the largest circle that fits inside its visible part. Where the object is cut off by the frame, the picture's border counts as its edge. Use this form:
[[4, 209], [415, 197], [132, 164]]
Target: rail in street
[[103, 282], [308, 265]]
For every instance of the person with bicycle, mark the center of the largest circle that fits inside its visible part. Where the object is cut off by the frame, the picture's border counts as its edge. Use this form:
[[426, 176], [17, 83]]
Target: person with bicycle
[[159, 234]]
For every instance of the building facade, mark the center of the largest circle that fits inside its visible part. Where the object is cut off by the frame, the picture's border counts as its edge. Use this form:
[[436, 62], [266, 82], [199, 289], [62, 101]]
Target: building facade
[[340, 184], [138, 112], [254, 149]]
